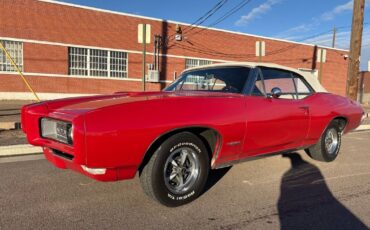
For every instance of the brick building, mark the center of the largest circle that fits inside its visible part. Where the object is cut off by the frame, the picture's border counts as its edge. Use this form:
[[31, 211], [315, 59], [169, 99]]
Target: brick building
[[66, 50]]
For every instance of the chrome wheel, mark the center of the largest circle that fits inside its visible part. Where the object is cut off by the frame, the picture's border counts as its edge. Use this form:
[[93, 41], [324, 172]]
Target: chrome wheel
[[331, 141], [181, 170]]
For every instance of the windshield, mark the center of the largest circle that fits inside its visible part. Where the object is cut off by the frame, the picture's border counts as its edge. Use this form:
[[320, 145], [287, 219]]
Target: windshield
[[224, 79]]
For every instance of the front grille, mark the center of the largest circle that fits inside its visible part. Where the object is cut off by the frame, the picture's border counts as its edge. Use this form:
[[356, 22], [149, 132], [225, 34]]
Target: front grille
[[62, 154]]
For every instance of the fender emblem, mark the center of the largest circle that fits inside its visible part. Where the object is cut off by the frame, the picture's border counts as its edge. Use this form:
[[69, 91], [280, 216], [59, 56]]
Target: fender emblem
[[233, 143]]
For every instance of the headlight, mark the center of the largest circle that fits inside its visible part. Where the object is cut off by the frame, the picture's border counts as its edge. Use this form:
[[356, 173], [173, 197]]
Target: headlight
[[57, 130]]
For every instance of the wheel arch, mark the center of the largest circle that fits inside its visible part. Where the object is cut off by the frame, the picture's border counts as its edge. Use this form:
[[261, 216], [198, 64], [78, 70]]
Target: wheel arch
[[342, 122], [211, 138]]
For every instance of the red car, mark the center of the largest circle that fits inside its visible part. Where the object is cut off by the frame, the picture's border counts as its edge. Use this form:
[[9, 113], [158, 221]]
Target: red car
[[211, 117]]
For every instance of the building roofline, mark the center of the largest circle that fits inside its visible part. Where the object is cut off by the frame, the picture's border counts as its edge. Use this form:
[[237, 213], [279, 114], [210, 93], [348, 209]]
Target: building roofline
[[182, 23]]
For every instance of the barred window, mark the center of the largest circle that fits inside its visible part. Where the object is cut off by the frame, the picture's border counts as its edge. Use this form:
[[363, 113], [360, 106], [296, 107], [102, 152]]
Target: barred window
[[118, 64], [97, 63], [78, 61], [15, 50], [190, 63]]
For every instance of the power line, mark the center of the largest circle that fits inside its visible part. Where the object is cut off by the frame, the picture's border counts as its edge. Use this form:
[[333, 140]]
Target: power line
[[208, 51], [196, 47], [232, 11], [202, 19], [207, 15], [199, 48]]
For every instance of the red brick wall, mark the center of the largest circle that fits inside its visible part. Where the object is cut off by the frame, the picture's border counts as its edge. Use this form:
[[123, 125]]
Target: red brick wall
[[40, 58], [30, 19]]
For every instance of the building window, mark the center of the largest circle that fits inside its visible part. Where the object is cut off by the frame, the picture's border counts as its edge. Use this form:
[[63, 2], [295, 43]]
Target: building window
[[15, 50], [118, 64], [78, 61], [97, 63], [190, 63]]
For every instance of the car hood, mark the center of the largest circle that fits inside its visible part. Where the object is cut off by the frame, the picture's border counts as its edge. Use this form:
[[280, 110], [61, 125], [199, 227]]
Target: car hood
[[77, 106]]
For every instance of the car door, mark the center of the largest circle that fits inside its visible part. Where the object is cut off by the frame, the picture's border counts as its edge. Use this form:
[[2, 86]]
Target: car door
[[274, 124]]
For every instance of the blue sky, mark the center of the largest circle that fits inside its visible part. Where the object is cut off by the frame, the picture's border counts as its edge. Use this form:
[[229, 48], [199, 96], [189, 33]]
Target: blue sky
[[298, 20]]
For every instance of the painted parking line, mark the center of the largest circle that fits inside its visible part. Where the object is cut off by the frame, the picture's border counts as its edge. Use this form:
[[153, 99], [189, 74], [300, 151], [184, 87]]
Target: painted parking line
[[14, 150]]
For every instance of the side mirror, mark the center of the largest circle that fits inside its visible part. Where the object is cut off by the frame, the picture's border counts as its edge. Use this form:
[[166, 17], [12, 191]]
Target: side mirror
[[276, 92]]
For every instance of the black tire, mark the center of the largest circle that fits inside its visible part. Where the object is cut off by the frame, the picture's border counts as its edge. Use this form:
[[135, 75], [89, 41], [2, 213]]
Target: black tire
[[166, 162], [319, 151]]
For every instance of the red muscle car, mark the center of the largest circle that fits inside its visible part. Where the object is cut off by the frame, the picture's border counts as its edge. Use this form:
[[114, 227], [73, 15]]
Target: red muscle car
[[210, 117]]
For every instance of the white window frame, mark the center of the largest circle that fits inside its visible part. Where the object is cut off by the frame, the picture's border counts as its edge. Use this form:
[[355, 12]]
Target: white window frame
[[15, 50], [196, 62], [116, 73]]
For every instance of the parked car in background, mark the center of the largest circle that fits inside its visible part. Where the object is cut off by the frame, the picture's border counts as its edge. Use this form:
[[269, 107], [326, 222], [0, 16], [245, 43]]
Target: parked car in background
[[211, 117]]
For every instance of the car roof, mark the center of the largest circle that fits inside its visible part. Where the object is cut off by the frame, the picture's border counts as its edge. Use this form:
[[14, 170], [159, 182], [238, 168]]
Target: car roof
[[309, 77]]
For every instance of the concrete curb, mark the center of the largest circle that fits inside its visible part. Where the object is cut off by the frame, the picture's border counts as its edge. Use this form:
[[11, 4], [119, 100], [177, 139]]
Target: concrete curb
[[10, 125], [15, 150], [363, 127]]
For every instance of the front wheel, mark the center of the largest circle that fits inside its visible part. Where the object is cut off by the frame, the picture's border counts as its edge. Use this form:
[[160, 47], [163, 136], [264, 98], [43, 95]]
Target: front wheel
[[328, 146], [177, 172]]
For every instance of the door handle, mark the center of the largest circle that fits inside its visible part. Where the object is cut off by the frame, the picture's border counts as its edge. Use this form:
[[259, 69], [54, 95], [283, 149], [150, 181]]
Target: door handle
[[305, 107]]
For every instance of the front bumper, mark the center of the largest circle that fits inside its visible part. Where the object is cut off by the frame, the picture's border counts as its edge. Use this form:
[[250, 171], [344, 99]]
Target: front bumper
[[111, 174]]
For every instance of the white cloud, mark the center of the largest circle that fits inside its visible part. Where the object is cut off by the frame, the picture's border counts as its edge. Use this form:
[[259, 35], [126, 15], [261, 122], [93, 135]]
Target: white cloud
[[295, 33], [256, 12], [330, 15], [316, 21], [342, 39]]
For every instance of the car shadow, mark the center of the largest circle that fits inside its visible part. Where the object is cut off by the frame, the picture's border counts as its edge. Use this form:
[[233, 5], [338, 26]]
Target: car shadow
[[306, 202], [214, 177]]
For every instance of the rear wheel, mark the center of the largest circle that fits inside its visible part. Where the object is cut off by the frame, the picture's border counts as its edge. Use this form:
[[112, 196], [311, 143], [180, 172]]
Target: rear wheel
[[177, 172], [328, 146]]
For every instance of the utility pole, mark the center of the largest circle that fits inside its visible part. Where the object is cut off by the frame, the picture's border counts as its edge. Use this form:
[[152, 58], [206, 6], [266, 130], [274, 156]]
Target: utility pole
[[355, 49], [334, 36]]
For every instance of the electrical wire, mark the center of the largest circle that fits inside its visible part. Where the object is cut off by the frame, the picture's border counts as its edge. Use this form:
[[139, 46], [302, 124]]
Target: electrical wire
[[199, 48], [203, 18], [209, 14], [232, 11]]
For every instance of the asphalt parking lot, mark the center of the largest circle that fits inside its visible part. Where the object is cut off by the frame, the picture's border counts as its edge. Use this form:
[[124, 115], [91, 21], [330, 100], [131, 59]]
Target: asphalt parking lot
[[286, 192]]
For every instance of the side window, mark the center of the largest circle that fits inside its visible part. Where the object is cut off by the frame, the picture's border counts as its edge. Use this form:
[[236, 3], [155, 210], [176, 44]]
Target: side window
[[302, 89], [258, 87], [225, 79], [279, 78]]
